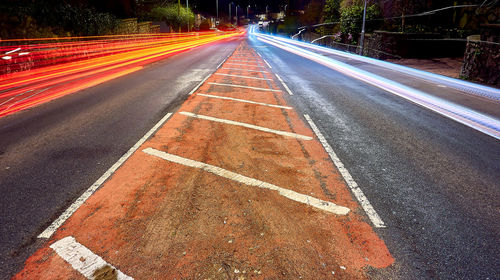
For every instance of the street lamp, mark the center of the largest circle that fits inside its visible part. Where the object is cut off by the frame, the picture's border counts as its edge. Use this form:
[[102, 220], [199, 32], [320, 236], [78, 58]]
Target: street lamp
[[237, 14], [187, 10], [217, 10], [248, 8], [362, 39], [230, 18]]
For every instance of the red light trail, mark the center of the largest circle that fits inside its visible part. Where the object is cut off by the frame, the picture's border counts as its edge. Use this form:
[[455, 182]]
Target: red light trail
[[34, 71]]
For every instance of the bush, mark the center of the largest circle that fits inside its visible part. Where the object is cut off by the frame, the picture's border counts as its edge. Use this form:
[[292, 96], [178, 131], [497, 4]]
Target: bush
[[170, 15], [351, 20]]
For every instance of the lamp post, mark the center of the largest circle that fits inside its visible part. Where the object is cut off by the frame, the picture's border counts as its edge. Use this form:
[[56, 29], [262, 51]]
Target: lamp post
[[187, 10], [248, 8], [217, 10], [237, 14], [362, 39], [230, 19]]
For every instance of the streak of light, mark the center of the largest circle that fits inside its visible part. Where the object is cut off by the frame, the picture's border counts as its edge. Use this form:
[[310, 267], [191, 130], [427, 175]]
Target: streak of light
[[476, 120], [49, 68], [461, 85]]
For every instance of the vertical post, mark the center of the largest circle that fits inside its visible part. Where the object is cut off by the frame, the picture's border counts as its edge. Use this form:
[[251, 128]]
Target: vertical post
[[362, 39], [179, 14], [217, 10], [230, 19], [236, 8], [187, 10]]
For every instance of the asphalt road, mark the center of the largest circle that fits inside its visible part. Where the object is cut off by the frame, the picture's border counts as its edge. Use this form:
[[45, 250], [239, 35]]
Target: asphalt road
[[434, 182], [52, 153]]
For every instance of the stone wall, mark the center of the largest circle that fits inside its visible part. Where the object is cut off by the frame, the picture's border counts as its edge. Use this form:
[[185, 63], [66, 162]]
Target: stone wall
[[144, 27], [127, 26], [481, 61], [131, 26]]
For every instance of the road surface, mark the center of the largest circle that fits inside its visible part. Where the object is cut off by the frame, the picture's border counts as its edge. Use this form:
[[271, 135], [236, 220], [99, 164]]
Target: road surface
[[185, 201]]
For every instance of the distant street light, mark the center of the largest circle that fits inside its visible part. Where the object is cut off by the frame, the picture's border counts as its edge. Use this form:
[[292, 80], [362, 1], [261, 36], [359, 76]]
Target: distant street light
[[362, 39]]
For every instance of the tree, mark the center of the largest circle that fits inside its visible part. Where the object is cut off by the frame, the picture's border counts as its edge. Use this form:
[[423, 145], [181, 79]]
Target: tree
[[170, 15]]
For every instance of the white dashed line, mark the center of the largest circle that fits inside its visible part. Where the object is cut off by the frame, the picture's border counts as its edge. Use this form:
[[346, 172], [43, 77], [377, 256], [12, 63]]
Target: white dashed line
[[265, 129], [47, 233], [199, 85], [267, 63], [245, 101], [82, 259], [302, 198], [239, 76], [284, 85], [240, 86], [358, 193]]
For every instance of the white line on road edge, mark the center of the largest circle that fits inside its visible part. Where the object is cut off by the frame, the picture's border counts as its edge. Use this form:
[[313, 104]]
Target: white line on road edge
[[246, 77], [199, 85], [245, 101], [220, 64], [260, 55], [265, 129], [267, 63], [284, 85], [244, 70], [82, 259], [302, 198], [240, 86], [47, 233], [229, 63], [358, 193]]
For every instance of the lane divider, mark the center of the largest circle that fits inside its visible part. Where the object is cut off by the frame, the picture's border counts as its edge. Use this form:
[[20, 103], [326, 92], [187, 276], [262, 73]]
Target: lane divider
[[302, 198], [358, 193], [241, 86], [284, 85], [258, 71], [245, 77], [245, 101], [265, 129]]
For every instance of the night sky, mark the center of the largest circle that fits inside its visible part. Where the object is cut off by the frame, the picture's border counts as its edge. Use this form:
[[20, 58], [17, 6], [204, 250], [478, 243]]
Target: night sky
[[257, 6]]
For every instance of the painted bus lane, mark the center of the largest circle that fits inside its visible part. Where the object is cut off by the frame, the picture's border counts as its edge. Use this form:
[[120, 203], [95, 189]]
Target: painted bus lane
[[235, 185]]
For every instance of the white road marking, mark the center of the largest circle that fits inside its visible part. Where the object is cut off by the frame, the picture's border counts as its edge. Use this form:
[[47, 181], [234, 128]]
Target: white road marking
[[265, 129], [199, 85], [260, 55], [7, 57], [238, 60], [229, 63], [239, 76], [82, 259], [259, 71], [47, 233], [358, 193], [240, 86], [267, 63], [295, 196], [284, 85], [222, 62], [245, 101]]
